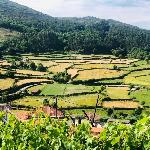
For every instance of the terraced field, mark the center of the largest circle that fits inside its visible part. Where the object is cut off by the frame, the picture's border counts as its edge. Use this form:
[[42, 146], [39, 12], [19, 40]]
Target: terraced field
[[98, 69], [138, 78], [99, 74], [118, 92], [121, 104], [64, 89], [30, 72], [6, 83]]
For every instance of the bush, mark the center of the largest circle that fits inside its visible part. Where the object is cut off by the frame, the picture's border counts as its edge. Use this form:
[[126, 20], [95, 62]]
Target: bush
[[62, 77]]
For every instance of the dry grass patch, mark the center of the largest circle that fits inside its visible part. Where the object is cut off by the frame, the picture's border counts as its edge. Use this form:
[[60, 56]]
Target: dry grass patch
[[72, 72], [30, 72], [118, 92], [98, 74], [59, 68], [4, 63], [45, 63], [25, 81], [120, 104], [6, 83]]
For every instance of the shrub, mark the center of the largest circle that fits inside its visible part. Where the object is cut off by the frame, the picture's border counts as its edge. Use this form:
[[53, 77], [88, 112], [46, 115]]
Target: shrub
[[62, 77]]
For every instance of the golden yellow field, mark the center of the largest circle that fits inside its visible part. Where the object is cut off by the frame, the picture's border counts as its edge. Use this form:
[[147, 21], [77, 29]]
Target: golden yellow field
[[97, 66], [4, 63], [98, 74], [120, 104], [45, 63], [30, 72], [24, 81], [118, 92], [72, 72], [6, 83], [59, 68], [2, 71]]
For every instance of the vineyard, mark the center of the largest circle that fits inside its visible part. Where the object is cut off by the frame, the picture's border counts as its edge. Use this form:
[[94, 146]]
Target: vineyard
[[46, 133]]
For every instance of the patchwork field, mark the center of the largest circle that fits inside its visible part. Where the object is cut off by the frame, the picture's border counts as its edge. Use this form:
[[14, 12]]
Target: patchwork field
[[98, 74], [120, 104], [30, 72], [6, 83], [64, 89], [113, 73], [138, 78], [118, 92], [59, 68], [25, 81]]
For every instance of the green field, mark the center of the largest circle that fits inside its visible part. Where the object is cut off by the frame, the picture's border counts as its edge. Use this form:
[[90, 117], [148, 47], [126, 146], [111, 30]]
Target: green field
[[64, 89], [118, 92], [142, 95], [138, 78]]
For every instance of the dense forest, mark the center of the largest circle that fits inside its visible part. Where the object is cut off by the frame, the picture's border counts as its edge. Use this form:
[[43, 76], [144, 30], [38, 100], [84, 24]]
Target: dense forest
[[42, 33]]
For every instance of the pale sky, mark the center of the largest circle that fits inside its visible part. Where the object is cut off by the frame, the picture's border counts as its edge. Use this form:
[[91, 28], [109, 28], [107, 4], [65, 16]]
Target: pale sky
[[135, 12]]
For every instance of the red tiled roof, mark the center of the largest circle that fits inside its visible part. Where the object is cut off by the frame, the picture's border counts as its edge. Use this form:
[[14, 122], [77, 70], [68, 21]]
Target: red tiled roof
[[23, 116], [91, 116], [96, 130], [52, 111]]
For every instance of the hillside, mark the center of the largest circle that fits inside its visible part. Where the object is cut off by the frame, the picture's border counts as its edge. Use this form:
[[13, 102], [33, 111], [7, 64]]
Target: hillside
[[43, 33]]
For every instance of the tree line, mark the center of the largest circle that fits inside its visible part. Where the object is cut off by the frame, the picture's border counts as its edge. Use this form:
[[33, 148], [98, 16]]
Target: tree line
[[89, 35]]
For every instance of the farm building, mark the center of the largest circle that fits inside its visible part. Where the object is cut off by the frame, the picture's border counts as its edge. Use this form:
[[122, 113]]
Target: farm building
[[96, 130], [4, 107], [36, 92], [52, 112]]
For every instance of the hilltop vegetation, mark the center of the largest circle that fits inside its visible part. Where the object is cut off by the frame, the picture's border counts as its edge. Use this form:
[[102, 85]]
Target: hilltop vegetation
[[43, 33]]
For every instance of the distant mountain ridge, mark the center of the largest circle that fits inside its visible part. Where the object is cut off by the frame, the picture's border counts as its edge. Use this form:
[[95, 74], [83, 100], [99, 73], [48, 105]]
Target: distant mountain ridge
[[85, 35]]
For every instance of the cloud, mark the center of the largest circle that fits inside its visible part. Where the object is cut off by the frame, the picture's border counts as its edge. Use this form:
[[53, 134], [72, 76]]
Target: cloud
[[134, 12]]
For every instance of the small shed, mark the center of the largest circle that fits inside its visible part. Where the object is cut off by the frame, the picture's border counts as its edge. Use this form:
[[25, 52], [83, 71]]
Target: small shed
[[4, 107], [36, 92], [52, 112]]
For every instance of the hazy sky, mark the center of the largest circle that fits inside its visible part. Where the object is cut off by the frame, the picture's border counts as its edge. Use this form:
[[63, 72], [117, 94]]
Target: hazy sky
[[135, 12]]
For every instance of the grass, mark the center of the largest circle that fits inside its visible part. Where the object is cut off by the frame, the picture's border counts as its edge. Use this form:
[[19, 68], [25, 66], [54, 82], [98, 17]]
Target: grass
[[98, 66], [34, 101], [25, 81], [79, 112], [6, 83], [78, 101], [142, 95], [45, 63], [59, 68], [112, 81], [118, 92], [64, 89], [30, 72], [98, 74], [72, 101], [138, 78]]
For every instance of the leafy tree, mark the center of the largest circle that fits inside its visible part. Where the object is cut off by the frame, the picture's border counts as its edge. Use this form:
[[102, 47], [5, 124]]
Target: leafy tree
[[46, 102], [40, 67], [10, 73], [32, 66], [62, 77]]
